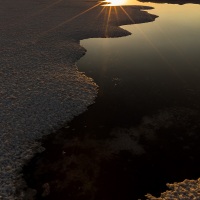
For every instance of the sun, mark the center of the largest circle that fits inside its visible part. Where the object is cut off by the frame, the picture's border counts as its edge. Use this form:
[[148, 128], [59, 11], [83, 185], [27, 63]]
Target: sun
[[116, 2]]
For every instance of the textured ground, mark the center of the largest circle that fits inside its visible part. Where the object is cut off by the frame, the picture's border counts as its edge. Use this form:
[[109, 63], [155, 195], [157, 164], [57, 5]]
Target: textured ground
[[186, 190], [40, 87]]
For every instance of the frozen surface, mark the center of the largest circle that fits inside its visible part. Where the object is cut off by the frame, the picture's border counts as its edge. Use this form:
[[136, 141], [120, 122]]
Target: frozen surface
[[40, 87]]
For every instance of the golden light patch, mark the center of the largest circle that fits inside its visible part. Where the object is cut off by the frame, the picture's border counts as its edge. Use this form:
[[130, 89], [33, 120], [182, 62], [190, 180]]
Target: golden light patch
[[116, 2]]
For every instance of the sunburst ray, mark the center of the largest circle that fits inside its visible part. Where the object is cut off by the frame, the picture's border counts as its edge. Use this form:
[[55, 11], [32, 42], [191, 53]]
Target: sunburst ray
[[69, 20]]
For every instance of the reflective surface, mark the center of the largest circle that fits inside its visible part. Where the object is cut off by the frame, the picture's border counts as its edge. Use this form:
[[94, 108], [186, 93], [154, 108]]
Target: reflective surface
[[143, 130], [164, 50], [150, 81]]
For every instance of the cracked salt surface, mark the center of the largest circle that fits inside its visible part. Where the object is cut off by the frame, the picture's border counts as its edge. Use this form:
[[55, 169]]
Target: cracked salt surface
[[40, 86]]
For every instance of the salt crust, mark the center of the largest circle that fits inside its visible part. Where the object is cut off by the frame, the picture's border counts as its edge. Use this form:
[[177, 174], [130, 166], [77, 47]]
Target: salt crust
[[186, 190], [40, 86]]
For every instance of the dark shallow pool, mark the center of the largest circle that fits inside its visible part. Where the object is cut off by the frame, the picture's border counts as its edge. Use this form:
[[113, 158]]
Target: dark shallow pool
[[144, 129]]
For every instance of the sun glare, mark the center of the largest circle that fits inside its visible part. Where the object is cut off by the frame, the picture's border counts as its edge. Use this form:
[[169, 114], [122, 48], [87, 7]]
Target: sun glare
[[116, 2]]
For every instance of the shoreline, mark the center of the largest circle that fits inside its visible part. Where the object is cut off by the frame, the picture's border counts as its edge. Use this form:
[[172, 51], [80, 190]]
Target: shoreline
[[41, 88], [84, 142]]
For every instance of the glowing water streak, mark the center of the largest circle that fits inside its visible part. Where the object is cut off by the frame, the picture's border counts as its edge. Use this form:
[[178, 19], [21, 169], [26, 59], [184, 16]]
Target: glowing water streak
[[179, 52], [156, 50]]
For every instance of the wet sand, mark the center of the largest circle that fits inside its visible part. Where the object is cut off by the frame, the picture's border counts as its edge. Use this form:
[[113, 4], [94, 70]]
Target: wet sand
[[41, 88]]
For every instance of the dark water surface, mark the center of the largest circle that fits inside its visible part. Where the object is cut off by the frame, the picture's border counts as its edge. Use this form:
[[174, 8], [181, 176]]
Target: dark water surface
[[144, 129]]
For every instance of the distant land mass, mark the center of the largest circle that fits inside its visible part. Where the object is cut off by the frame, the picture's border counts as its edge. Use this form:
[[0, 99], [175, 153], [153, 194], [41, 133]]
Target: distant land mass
[[180, 2]]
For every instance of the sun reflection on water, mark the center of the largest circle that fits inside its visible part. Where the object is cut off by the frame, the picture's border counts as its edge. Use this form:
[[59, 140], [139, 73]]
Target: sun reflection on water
[[116, 2], [120, 2]]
